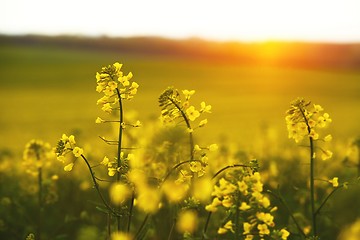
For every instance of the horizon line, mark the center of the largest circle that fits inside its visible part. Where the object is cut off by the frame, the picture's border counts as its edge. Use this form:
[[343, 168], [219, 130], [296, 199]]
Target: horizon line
[[185, 38]]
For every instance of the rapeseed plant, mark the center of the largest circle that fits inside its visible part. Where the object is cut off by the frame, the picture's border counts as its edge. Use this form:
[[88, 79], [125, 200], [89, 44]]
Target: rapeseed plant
[[305, 120], [116, 88], [37, 157]]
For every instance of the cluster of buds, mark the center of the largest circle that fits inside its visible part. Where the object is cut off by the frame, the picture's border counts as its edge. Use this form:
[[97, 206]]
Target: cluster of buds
[[173, 107], [304, 119], [115, 86], [66, 145]]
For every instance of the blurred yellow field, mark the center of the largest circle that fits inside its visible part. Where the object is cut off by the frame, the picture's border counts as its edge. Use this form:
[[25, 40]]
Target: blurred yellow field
[[46, 87]]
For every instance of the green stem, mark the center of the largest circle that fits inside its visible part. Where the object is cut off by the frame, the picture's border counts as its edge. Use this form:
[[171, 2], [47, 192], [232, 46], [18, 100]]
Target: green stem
[[130, 210], [237, 216], [206, 226], [108, 226], [141, 228], [281, 199], [227, 167], [188, 125], [312, 187], [96, 185], [312, 178], [172, 230], [40, 199], [327, 198], [38, 236], [118, 175]]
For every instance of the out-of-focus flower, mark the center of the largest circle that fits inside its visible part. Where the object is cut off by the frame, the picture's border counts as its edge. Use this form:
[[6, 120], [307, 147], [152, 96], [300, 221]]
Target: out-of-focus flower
[[334, 182], [187, 221]]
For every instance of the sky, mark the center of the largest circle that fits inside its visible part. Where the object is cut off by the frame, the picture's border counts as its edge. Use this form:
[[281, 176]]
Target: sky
[[221, 20]]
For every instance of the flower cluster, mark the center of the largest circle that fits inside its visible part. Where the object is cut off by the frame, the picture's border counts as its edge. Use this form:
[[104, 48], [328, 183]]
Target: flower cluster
[[112, 165], [304, 119], [67, 144], [173, 107], [36, 155], [242, 193], [115, 86]]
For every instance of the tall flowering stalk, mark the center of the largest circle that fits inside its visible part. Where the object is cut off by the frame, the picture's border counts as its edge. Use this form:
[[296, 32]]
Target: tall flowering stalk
[[116, 88], [174, 108], [36, 156], [304, 120]]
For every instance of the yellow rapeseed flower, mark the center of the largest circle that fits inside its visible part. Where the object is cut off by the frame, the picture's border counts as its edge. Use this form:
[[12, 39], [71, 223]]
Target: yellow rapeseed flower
[[263, 229], [119, 193], [227, 227], [192, 113], [148, 199], [174, 192], [187, 221], [326, 155], [205, 108], [78, 151], [188, 93], [284, 234], [244, 206], [69, 167], [334, 182], [202, 189], [247, 227]]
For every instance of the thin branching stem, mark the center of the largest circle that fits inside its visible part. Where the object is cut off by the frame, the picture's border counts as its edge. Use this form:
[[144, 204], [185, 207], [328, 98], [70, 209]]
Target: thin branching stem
[[237, 216], [143, 224], [40, 198], [177, 166], [230, 166], [206, 225], [188, 125], [172, 229], [121, 119], [312, 186], [131, 210], [96, 185], [327, 198], [312, 177], [283, 202]]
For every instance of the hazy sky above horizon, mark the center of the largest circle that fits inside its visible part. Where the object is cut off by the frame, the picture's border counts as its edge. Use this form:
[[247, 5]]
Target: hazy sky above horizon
[[251, 20]]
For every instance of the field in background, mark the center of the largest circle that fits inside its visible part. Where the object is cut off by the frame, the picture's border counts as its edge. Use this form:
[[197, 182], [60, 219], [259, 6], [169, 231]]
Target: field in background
[[48, 89]]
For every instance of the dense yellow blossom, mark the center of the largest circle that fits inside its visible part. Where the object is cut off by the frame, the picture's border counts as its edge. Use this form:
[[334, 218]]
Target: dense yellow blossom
[[112, 82], [67, 144], [247, 197], [306, 120]]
